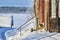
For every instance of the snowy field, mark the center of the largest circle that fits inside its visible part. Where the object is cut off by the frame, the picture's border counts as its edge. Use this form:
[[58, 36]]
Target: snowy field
[[36, 35]]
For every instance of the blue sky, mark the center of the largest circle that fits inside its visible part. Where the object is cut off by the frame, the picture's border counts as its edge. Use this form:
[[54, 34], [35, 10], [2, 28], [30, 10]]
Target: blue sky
[[18, 3]]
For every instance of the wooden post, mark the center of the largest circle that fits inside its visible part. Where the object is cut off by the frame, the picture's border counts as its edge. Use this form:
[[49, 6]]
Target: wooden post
[[48, 16], [57, 11], [37, 8], [46, 13], [43, 8]]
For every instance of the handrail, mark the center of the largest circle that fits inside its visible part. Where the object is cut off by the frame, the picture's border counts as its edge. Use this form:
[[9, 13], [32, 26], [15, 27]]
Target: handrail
[[27, 22], [27, 25]]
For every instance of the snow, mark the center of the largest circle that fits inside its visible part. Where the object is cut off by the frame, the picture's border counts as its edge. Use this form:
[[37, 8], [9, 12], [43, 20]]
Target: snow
[[18, 19], [5, 21], [36, 35], [42, 36], [12, 35]]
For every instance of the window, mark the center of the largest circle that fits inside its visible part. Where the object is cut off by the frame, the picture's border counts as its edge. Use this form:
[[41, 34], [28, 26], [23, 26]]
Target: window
[[53, 14]]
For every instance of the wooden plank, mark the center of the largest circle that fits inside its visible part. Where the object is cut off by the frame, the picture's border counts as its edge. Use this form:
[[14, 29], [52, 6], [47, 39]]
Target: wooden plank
[[46, 14], [43, 8]]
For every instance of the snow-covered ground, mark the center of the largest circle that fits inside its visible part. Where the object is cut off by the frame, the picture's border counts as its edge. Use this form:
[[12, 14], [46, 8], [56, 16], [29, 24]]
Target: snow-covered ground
[[36, 35], [40, 35]]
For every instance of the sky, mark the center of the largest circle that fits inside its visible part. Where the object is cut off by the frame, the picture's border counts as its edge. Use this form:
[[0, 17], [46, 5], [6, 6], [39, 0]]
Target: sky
[[18, 3]]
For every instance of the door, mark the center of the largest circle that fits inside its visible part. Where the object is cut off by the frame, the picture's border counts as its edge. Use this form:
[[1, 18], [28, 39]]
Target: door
[[53, 18]]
